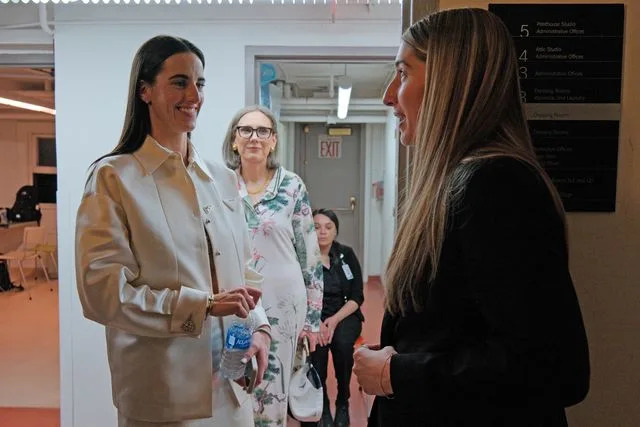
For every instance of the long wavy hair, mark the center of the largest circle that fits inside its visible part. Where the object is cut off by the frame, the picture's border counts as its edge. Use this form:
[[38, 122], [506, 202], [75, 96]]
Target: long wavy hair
[[471, 110], [147, 64]]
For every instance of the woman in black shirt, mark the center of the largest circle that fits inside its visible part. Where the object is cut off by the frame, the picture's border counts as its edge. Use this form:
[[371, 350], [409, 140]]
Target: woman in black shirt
[[482, 325], [341, 316]]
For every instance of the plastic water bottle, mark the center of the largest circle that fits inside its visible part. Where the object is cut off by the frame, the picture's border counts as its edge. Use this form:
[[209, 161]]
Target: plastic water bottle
[[236, 343]]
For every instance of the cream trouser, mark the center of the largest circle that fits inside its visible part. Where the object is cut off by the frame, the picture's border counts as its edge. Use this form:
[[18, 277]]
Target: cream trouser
[[226, 412]]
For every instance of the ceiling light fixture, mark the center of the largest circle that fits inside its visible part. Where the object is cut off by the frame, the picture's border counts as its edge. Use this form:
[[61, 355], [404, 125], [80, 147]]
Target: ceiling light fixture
[[344, 95], [27, 106]]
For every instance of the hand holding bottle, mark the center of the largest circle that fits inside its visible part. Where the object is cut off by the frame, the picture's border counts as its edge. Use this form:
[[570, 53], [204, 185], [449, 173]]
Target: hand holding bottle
[[239, 302]]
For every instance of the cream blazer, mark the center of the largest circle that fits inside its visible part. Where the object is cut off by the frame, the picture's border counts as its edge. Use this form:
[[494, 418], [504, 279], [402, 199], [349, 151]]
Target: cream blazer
[[142, 269]]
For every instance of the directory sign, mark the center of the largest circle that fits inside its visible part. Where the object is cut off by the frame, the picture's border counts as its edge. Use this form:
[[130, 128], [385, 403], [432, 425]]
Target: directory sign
[[570, 67]]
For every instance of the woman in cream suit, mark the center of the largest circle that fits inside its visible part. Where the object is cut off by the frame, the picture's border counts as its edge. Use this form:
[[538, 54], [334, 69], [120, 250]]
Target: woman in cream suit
[[161, 254]]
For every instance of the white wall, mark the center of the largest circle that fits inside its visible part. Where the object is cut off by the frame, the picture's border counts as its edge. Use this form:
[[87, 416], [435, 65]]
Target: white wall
[[15, 152], [17, 161], [390, 187], [285, 144], [373, 209], [93, 56]]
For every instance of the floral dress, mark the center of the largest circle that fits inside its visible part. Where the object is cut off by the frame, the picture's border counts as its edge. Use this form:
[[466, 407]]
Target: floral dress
[[286, 253]]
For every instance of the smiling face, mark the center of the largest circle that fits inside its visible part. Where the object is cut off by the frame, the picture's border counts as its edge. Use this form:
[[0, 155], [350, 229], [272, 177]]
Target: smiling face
[[254, 148], [325, 229], [406, 92], [176, 95]]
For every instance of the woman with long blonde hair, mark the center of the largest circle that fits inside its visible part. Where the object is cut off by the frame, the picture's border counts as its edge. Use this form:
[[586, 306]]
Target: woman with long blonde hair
[[482, 323]]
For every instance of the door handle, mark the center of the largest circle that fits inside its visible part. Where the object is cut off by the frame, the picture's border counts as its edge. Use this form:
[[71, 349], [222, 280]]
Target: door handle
[[351, 208]]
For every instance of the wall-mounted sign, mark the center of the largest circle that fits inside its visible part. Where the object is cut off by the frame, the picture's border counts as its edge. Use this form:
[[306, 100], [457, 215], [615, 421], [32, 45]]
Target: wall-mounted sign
[[329, 147], [335, 131], [570, 63]]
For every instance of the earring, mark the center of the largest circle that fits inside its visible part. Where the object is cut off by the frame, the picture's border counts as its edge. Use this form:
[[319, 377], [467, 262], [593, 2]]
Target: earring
[[234, 147], [272, 149]]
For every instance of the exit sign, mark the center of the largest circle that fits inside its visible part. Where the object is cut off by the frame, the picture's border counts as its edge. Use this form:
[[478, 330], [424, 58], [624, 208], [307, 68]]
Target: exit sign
[[329, 147]]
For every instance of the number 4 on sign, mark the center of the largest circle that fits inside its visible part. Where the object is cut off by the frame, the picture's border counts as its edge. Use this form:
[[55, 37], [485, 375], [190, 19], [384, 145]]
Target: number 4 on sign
[[523, 56]]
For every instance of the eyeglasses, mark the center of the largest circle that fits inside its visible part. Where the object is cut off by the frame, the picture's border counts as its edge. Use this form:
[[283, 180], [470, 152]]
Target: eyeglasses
[[261, 132]]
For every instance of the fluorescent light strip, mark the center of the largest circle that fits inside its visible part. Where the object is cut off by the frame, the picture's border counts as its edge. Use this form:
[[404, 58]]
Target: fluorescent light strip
[[343, 101], [27, 106], [344, 95]]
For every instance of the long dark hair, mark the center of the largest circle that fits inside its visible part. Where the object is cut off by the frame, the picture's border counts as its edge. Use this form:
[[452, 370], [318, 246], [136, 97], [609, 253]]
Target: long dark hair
[[147, 63]]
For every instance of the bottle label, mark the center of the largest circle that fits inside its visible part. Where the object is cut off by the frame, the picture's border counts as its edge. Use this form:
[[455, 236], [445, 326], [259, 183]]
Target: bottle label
[[238, 338]]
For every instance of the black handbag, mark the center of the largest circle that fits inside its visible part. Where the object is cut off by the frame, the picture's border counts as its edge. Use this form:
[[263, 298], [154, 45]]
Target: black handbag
[[5, 280]]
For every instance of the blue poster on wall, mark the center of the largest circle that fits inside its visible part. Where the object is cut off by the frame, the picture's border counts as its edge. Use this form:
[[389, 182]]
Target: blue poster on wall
[[267, 75]]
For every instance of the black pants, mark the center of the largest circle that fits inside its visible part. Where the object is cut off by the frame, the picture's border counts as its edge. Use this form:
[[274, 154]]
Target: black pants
[[341, 346]]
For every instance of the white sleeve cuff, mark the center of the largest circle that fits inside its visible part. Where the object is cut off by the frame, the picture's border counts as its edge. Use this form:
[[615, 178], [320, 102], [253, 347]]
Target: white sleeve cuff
[[252, 277]]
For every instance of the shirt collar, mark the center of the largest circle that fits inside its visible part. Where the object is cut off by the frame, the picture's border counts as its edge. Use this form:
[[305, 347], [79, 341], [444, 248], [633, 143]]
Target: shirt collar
[[334, 252], [272, 188], [195, 159], [152, 155]]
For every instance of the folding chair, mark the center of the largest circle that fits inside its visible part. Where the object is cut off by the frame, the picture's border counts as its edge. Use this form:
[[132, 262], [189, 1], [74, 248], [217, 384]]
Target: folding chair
[[50, 251], [33, 236]]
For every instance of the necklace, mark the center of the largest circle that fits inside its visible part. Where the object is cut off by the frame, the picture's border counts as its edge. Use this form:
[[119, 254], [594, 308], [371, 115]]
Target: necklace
[[262, 187]]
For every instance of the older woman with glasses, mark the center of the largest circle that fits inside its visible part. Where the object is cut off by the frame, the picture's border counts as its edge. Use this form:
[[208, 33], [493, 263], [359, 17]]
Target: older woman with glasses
[[285, 251]]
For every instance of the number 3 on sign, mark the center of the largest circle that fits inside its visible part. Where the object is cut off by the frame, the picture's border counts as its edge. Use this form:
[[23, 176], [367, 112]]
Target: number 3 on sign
[[523, 73]]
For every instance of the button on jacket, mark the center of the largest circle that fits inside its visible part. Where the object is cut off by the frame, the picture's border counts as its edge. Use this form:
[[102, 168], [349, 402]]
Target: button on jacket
[[142, 269]]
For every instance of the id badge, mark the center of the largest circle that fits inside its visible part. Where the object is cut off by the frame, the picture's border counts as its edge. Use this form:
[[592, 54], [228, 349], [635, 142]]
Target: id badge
[[347, 271]]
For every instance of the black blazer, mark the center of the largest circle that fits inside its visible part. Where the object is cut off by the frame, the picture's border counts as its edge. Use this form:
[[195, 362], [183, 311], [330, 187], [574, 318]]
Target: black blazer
[[351, 289], [501, 340]]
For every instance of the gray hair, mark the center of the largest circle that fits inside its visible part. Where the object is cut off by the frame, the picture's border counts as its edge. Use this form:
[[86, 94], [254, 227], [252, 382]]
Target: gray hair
[[232, 158]]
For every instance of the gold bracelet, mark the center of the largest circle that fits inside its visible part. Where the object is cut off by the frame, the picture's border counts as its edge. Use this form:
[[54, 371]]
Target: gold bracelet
[[210, 299], [387, 395]]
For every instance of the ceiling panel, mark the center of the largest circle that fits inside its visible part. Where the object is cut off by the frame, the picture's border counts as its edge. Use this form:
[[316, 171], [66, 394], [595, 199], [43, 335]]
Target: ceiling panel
[[31, 85], [313, 79]]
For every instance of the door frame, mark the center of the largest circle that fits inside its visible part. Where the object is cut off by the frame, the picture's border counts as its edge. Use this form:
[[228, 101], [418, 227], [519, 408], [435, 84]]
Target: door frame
[[300, 165], [254, 54]]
